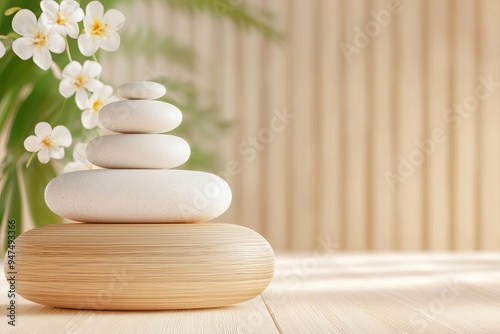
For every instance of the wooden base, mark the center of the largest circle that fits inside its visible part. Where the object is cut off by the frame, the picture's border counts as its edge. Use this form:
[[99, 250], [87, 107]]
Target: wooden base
[[141, 266]]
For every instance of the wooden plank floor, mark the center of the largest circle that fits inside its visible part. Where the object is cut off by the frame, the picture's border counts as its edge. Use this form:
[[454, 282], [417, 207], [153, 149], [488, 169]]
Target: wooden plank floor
[[321, 293]]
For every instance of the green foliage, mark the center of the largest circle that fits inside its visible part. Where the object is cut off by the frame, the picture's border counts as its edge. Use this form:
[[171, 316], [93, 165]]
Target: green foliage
[[235, 10], [29, 95]]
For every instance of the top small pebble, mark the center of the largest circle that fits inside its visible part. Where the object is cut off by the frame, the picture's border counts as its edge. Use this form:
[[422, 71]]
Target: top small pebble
[[141, 90]]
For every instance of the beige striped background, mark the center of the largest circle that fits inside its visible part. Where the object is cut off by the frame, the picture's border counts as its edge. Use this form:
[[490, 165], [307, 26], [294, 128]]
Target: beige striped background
[[323, 176]]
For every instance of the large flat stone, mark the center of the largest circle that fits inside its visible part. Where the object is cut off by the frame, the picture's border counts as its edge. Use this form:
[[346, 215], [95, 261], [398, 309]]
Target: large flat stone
[[138, 196], [141, 266]]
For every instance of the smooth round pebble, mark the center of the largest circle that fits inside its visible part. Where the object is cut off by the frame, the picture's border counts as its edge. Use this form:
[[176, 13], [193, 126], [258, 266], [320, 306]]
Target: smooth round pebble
[[137, 116], [138, 151], [138, 196], [141, 266], [141, 90]]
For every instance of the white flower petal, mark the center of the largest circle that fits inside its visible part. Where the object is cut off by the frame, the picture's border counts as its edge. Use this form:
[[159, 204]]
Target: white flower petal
[[47, 20], [23, 47], [105, 91], [74, 166], [91, 69], [81, 98], [52, 26], [56, 152], [72, 70], [42, 130], [89, 119], [76, 16], [69, 6], [110, 44], [42, 58], [49, 6], [114, 19], [42, 29], [32, 144], [43, 155], [88, 104], [56, 43], [61, 30], [93, 84], [80, 153], [87, 45], [61, 136], [24, 22], [95, 9], [2, 49], [56, 71], [72, 29], [66, 88], [88, 21]]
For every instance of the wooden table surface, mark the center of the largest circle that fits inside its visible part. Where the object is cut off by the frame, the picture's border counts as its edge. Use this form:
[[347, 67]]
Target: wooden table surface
[[318, 293]]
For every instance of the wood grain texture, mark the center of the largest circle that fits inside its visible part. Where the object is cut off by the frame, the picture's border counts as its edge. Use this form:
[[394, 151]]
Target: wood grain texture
[[142, 266], [317, 293], [386, 293], [248, 317]]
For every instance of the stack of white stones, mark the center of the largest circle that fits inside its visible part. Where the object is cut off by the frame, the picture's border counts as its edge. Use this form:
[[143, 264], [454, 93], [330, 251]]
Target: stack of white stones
[[176, 262], [136, 185]]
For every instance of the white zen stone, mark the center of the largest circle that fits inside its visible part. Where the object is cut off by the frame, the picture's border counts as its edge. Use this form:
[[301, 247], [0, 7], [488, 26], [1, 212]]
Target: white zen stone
[[141, 90], [138, 196], [131, 116], [138, 151]]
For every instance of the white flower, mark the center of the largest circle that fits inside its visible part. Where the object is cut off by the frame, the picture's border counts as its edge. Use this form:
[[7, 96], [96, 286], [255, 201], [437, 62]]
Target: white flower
[[80, 160], [37, 41], [63, 18], [100, 29], [2, 49], [78, 78], [47, 142], [99, 99]]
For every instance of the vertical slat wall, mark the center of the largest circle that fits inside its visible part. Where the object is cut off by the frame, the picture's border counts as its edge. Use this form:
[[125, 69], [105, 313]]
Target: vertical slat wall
[[487, 226], [437, 57], [385, 147]]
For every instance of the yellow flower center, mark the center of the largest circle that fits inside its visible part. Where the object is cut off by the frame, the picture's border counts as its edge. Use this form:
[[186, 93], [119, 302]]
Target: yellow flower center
[[61, 20], [96, 106], [40, 40], [98, 28], [47, 141], [79, 81]]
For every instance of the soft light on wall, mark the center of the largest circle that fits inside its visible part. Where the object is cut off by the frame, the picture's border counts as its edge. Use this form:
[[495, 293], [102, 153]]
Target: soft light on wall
[[393, 142]]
